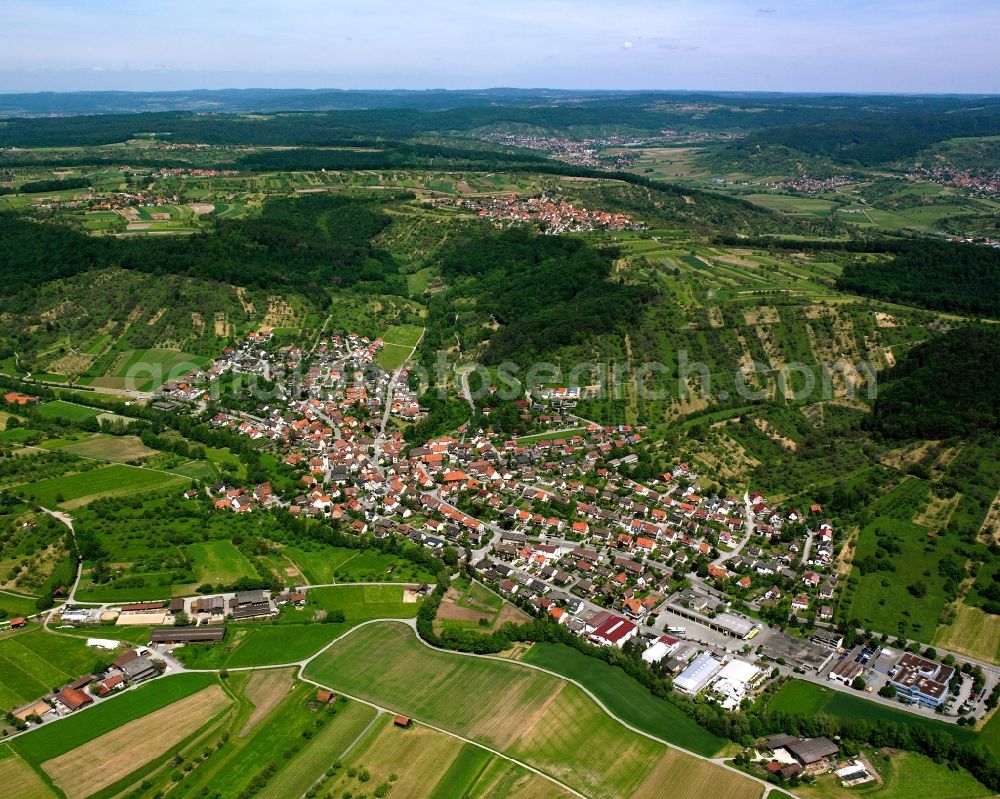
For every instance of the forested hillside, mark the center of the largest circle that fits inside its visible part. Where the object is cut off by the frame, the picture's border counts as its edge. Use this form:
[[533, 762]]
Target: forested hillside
[[946, 387], [316, 241], [542, 291], [865, 141], [946, 277]]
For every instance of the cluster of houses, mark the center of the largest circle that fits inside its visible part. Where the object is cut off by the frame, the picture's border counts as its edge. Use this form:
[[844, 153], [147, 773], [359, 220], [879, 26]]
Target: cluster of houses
[[555, 521], [239, 499], [582, 152], [985, 183], [806, 184], [320, 419], [553, 215], [128, 668]]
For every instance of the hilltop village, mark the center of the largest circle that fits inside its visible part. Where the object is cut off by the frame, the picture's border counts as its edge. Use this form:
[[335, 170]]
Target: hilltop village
[[551, 215]]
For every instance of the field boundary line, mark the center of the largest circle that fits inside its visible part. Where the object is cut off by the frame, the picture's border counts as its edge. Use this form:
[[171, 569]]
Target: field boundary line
[[455, 735], [717, 761], [412, 624], [350, 746]]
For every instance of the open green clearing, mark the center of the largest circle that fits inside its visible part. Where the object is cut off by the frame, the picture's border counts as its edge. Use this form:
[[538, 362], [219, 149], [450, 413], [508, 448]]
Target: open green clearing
[[392, 356], [260, 644], [887, 601], [325, 565], [812, 206], [625, 697], [402, 335], [147, 369], [17, 434], [110, 448], [33, 663], [364, 602], [118, 480], [219, 562], [60, 409], [398, 343], [555, 435], [16, 605]]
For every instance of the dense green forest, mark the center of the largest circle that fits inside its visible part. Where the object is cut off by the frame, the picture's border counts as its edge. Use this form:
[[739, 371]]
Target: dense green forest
[[947, 386], [939, 275], [543, 291], [39, 186], [383, 155], [315, 242], [867, 140]]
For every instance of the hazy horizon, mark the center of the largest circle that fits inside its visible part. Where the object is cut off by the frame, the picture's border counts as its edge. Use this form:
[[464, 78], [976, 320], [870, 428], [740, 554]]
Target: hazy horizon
[[853, 47], [527, 89]]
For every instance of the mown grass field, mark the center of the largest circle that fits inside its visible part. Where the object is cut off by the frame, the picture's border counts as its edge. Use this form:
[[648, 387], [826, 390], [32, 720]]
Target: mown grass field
[[33, 662], [261, 644], [53, 740], [364, 602], [147, 369], [973, 632], [553, 436], [110, 448], [60, 409], [219, 562], [625, 697], [546, 722], [392, 356], [810, 206], [343, 565], [17, 434], [17, 605], [73, 490], [403, 335], [111, 757], [18, 779], [398, 343]]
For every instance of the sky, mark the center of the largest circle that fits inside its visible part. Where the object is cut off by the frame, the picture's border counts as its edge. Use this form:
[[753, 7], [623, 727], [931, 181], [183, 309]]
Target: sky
[[918, 46]]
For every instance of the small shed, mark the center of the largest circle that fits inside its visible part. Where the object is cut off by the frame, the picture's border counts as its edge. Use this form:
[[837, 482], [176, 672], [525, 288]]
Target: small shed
[[402, 721]]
